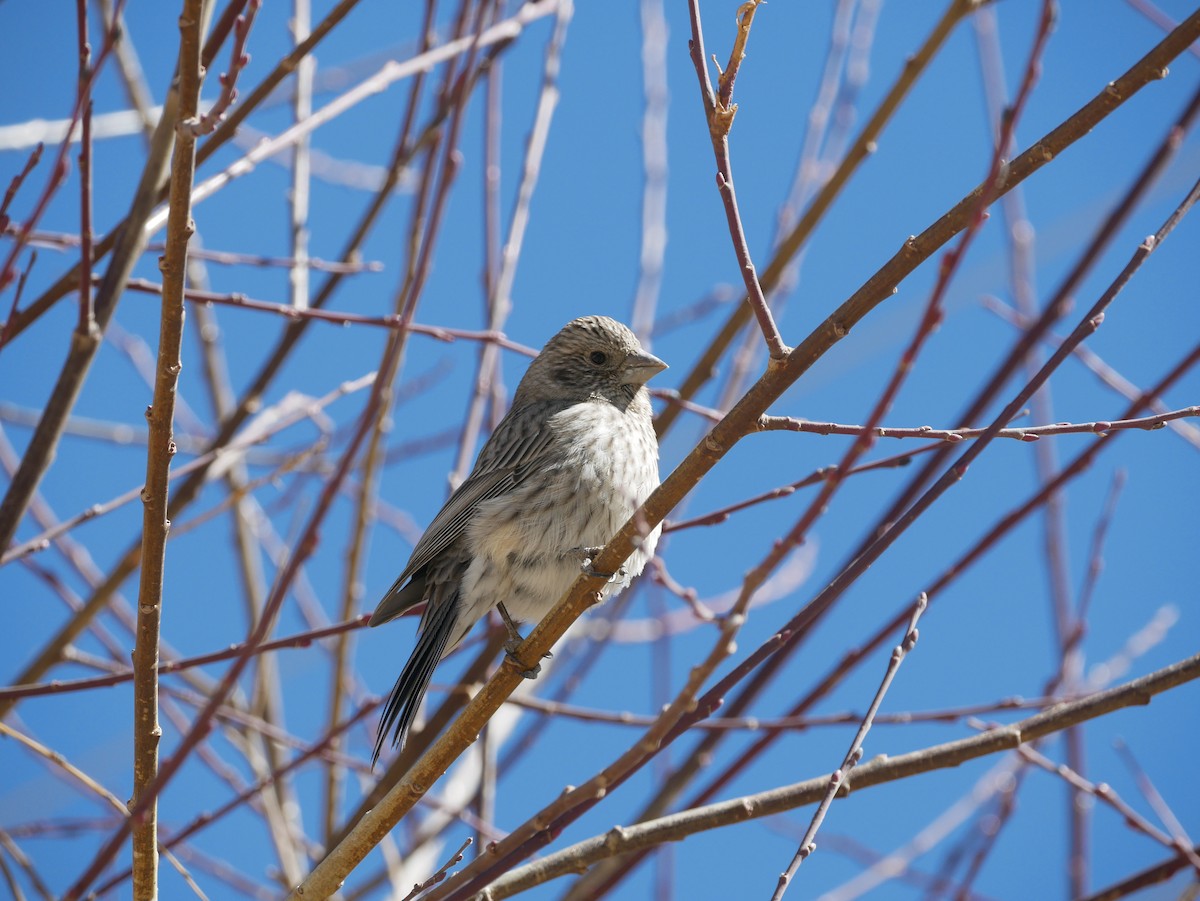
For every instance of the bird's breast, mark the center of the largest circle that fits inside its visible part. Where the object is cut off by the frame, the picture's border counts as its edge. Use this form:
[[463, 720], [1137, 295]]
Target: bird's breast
[[602, 464]]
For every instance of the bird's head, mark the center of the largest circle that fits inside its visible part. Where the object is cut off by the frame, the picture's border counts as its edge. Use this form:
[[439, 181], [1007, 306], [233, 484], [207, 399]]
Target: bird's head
[[593, 356]]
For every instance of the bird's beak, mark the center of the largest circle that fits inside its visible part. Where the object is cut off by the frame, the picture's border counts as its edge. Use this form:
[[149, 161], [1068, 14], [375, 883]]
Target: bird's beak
[[640, 368]]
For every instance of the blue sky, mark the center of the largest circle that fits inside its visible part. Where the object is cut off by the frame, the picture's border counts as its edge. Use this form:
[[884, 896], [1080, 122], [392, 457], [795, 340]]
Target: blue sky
[[988, 637]]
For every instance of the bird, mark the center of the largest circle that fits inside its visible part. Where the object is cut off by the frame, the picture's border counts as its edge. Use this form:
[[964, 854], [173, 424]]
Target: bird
[[569, 463]]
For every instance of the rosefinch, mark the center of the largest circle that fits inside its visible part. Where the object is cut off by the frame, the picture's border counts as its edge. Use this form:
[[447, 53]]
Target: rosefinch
[[567, 466]]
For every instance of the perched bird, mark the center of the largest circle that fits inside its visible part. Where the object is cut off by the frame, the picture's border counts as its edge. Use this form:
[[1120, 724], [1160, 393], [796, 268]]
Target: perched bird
[[566, 467]]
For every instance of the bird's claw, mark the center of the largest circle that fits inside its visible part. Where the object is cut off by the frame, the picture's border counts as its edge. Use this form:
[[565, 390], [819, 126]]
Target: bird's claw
[[510, 650], [587, 555], [514, 641]]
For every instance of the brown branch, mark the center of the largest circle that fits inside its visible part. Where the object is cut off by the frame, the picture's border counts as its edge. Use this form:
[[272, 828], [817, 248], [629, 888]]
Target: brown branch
[[391, 321], [85, 339], [878, 771], [1107, 795], [84, 345], [161, 448], [330, 873], [58, 174], [1154, 875]]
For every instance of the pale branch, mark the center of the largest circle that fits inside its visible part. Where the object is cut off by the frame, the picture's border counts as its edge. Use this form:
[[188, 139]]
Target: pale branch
[[559, 709], [499, 297], [437, 877], [66, 240], [1027, 434], [270, 422]]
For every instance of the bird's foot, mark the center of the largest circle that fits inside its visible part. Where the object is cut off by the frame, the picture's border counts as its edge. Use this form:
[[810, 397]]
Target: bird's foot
[[586, 556], [514, 641]]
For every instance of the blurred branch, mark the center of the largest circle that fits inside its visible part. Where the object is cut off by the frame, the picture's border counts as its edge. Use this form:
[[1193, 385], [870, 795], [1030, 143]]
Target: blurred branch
[[654, 170], [1154, 875], [1106, 795], [1096, 364], [499, 299]]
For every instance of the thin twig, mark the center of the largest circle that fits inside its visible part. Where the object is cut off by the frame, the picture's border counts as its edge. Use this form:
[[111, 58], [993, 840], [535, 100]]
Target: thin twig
[[719, 110], [854, 755]]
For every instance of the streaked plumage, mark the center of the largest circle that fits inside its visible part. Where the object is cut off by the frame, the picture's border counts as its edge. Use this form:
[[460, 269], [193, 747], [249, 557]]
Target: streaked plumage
[[563, 471]]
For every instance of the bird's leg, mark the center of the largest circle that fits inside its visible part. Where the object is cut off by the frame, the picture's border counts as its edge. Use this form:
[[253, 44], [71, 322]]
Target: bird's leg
[[587, 555], [514, 641]]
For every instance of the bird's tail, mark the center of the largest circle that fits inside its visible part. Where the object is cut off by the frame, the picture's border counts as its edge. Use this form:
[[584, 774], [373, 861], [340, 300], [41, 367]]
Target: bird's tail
[[405, 699]]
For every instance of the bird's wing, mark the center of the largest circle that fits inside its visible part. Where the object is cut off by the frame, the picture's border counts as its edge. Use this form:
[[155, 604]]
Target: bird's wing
[[506, 459]]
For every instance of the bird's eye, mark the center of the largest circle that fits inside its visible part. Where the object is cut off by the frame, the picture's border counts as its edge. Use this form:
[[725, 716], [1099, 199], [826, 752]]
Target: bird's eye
[[599, 357]]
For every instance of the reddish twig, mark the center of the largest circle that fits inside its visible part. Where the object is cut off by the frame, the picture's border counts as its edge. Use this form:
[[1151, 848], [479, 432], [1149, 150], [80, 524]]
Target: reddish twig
[[301, 640], [87, 316], [238, 60], [15, 185], [719, 111], [58, 173]]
